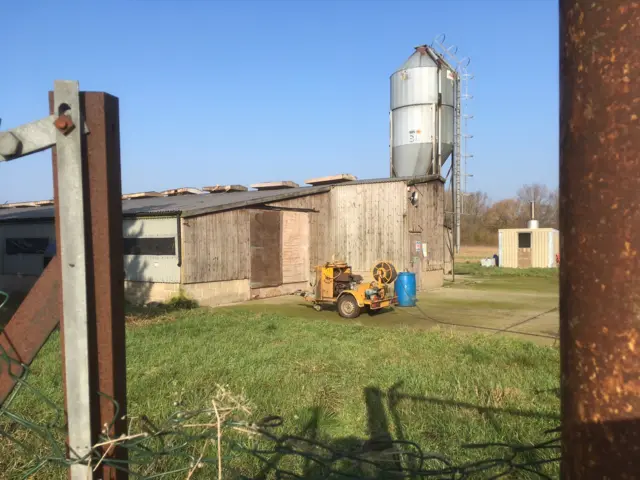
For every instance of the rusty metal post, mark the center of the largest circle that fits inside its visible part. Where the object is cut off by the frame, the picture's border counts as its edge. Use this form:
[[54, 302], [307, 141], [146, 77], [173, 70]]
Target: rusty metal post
[[105, 289], [600, 243], [29, 328]]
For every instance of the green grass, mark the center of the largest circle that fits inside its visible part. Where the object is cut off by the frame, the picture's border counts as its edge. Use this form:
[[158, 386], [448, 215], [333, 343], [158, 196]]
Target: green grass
[[475, 269], [330, 381]]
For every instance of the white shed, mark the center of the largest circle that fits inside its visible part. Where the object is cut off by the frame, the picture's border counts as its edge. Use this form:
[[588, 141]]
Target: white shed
[[528, 247]]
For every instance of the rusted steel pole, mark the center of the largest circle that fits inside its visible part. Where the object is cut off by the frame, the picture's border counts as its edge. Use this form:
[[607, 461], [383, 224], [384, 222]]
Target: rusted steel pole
[[103, 197], [600, 238], [29, 328]]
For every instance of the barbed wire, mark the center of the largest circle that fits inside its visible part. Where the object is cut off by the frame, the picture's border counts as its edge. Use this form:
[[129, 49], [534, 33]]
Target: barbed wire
[[406, 459], [192, 443]]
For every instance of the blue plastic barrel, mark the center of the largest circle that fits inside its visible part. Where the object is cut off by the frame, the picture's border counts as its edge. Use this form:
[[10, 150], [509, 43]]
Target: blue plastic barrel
[[406, 289]]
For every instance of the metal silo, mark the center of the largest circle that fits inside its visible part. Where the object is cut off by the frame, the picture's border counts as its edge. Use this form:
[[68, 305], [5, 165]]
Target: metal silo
[[423, 94]]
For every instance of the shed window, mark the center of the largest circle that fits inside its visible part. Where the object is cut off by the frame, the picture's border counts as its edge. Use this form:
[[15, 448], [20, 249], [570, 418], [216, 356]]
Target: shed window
[[32, 246], [524, 240], [150, 246]]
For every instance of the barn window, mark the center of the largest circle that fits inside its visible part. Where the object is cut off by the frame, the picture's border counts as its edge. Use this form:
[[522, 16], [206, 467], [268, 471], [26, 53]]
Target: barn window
[[150, 246], [32, 246], [524, 240]]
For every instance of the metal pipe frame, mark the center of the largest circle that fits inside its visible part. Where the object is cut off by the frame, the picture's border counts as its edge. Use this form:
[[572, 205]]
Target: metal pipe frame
[[600, 238]]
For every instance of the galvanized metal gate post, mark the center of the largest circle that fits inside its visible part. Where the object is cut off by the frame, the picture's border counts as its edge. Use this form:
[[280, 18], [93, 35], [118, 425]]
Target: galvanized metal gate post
[[600, 243], [71, 245], [88, 193]]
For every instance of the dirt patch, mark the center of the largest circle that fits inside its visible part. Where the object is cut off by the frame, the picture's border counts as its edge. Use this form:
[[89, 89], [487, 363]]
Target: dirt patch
[[527, 311]]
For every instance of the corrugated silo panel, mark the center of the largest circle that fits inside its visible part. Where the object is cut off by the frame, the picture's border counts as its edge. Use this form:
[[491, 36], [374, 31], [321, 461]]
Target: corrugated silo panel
[[413, 87], [413, 135], [447, 118], [447, 83]]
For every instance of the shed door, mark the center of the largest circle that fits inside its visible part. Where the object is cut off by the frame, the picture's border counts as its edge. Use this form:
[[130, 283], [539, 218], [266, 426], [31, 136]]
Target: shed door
[[295, 247], [266, 249], [524, 249]]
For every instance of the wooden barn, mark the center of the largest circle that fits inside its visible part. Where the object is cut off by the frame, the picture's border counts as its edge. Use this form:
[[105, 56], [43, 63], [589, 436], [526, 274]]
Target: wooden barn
[[229, 244]]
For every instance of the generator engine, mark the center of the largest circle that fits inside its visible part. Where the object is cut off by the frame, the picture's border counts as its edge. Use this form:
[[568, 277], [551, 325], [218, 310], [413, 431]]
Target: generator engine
[[335, 283], [345, 280]]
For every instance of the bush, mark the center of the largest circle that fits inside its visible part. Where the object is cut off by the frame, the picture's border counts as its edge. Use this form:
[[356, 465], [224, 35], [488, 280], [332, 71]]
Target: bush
[[181, 302]]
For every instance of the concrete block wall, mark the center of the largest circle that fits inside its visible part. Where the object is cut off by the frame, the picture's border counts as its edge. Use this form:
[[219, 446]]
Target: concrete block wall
[[140, 293], [211, 294]]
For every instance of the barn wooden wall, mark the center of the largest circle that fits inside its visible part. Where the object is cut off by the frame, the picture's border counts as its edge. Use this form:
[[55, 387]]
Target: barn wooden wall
[[216, 247], [426, 221], [368, 224], [361, 224], [318, 224]]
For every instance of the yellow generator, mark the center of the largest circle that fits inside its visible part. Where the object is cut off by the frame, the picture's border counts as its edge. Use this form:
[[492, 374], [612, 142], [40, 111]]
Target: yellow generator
[[336, 284]]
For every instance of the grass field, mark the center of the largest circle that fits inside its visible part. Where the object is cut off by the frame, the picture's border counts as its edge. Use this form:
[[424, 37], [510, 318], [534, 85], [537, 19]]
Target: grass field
[[340, 383], [474, 253], [474, 268]]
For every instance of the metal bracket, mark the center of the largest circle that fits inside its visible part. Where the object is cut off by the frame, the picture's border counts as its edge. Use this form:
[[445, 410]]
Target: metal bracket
[[35, 136]]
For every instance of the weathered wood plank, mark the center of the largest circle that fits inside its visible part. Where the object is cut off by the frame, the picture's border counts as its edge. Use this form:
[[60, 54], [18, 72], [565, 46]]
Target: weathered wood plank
[[266, 249], [319, 224], [216, 247], [295, 247]]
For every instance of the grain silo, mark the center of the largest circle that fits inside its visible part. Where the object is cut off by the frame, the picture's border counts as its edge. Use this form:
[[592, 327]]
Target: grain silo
[[422, 118]]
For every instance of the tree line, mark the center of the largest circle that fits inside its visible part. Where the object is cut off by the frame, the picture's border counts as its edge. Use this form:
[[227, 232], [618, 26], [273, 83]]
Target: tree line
[[482, 218]]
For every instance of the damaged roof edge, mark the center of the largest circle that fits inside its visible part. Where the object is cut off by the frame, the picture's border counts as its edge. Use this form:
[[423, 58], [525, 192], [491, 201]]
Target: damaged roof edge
[[46, 213], [282, 195], [426, 179]]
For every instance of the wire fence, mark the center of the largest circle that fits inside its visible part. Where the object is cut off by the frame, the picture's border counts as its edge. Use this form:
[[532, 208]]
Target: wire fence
[[221, 440]]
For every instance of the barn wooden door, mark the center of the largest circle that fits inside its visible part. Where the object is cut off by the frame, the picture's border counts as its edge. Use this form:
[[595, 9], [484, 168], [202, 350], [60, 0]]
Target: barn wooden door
[[266, 249], [295, 247]]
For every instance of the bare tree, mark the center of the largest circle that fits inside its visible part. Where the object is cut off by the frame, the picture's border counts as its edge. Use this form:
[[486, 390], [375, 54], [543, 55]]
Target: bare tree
[[482, 218], [545, 203]]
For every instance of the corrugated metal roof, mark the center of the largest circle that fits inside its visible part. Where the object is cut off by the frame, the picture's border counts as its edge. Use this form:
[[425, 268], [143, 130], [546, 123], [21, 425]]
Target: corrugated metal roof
[[191, 205]]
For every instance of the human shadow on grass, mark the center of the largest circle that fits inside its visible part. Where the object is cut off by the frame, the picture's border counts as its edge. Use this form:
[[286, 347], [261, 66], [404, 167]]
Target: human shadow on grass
[[317, 457], [311, 455]]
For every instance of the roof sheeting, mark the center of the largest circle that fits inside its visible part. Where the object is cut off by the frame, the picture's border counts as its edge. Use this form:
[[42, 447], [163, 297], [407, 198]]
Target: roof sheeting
[[192, 205]]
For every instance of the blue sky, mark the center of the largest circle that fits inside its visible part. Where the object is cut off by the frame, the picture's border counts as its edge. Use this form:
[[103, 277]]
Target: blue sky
[[215, 92]]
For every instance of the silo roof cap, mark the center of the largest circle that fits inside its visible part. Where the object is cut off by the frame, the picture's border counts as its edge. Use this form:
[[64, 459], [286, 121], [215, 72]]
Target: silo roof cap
[[422, 57]]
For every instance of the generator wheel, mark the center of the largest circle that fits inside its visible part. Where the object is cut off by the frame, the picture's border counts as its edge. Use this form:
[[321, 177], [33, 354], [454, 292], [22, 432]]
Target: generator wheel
[[317, 307], [348, 307]]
